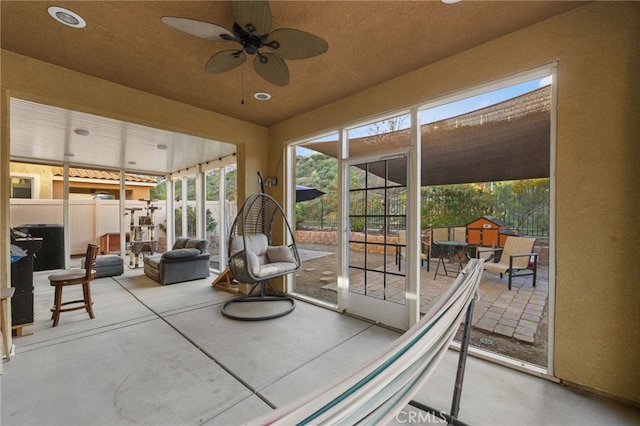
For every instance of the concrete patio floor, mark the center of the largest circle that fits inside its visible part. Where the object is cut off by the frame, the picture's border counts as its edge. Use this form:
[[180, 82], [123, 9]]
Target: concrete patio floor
[[165, 355]]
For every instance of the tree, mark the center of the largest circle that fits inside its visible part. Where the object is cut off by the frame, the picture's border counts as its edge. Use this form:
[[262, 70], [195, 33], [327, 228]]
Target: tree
[[454, 204], [524, 204], [210, 222]]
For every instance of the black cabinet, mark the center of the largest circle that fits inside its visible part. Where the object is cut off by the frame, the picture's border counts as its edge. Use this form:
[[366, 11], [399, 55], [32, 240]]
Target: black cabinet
[[22, 281], [51, 255]]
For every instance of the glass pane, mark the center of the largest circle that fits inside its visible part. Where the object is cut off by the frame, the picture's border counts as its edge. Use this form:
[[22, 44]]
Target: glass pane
[[475, 193], [22, 187], [316, 216], [213, 210], [231, 200], [380, 136], [178, 209], [191, 206]]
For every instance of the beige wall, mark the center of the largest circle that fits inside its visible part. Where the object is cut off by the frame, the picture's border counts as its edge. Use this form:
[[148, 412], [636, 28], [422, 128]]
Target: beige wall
[[44, 173], [597, 317]]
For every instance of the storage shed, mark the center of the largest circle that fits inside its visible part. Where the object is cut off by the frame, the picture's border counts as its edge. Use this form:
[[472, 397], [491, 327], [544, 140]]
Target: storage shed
[[487, 231]]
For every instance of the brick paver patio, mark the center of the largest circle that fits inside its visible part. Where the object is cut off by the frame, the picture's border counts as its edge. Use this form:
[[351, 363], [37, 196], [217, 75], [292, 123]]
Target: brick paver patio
[[513, 313]]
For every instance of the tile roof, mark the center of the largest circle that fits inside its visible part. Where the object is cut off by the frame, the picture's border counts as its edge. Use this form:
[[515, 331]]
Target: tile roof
[[101, 175]]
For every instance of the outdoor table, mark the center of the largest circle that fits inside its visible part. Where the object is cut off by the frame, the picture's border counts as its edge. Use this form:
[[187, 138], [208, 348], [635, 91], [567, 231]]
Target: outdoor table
[[459, 248]]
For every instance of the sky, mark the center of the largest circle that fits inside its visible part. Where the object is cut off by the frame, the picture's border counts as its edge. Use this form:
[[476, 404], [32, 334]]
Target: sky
[[452, 109], [481, 101]]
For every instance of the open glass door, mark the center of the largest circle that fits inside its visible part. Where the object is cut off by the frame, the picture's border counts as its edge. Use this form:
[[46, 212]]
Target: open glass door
[[377, 211]]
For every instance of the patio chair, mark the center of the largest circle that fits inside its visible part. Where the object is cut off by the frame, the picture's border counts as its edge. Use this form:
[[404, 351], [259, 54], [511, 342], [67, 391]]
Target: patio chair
[[402, 245], [76, 276], [255, 259], [516, 258]]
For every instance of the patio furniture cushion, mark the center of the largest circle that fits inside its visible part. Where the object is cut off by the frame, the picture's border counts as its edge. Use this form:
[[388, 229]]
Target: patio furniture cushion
[[200, 245], [280, 254], [517, 259], [264, 260], [180, 243], [181, 253]]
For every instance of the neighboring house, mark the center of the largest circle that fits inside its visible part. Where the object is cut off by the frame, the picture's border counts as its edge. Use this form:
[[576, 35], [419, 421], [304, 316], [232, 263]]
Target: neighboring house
[[35, 181]]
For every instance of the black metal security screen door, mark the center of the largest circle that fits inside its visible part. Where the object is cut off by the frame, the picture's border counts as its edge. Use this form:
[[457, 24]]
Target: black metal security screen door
[[377, 211]]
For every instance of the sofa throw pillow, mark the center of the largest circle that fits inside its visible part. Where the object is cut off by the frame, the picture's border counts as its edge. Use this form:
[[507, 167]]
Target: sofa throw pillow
[[180, 243], [181, 253], [236, 245], [198, 244], [257, 244], [280, 254], [253, 264]]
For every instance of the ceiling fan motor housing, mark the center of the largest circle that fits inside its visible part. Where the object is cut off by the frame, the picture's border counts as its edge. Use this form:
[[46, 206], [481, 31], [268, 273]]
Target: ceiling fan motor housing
[[252, 42]]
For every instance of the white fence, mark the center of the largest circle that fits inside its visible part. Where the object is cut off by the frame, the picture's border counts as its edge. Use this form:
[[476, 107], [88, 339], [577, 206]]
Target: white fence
[[88, 219]]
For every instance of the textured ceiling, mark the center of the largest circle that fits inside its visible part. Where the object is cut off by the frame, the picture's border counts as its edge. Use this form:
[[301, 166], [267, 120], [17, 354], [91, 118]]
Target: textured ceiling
[[369, 42]]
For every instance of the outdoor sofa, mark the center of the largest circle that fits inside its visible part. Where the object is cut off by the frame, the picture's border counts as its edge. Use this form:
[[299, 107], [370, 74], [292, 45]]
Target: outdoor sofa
[[187, 260]]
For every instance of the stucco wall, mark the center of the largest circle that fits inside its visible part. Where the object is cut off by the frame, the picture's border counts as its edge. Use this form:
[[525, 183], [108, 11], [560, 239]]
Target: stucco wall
[[597, 318], [44, 174]]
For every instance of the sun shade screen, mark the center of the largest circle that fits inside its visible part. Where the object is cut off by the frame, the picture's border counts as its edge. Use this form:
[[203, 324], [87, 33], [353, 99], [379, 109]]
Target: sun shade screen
[[506, 141]]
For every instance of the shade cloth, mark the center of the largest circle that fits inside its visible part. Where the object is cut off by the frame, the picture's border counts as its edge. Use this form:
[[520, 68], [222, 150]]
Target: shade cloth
[[506, 141]]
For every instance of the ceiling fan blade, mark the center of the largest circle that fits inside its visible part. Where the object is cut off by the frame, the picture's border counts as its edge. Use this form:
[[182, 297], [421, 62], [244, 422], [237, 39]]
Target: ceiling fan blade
[[253, 16], [272, 69], [225, 61], [296, 44], [200, 29]]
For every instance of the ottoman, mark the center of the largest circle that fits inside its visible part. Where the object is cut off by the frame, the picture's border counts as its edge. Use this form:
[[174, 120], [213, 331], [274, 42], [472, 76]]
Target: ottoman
[[108, 265]]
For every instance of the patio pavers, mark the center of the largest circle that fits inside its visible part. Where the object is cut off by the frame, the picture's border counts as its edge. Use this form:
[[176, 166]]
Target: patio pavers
[[515, 313]]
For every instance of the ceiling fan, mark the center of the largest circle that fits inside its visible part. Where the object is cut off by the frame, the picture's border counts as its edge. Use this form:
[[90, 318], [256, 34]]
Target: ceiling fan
[[251, 31]]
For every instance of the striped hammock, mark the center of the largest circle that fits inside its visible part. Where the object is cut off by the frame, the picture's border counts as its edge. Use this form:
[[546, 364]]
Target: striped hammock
[[380, 389]]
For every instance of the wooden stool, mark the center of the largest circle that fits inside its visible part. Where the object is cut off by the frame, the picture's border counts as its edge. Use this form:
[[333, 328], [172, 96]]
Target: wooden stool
[[74, 277], [5, 294]]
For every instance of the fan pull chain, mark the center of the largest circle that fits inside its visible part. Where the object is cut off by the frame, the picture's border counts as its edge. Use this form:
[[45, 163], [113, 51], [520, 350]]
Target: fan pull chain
[[242, 86]]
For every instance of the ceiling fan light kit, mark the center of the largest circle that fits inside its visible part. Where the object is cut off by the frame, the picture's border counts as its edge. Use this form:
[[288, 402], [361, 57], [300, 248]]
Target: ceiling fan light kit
[[251, 31]]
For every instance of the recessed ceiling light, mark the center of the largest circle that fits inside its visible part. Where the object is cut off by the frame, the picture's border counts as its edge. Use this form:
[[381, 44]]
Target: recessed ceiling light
[[162, 146], [262, 96], [81, 132], [66, 17], [449, 1], [69, 154]]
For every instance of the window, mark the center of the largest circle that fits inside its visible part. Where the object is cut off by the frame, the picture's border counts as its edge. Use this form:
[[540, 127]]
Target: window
[[22, 187]]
